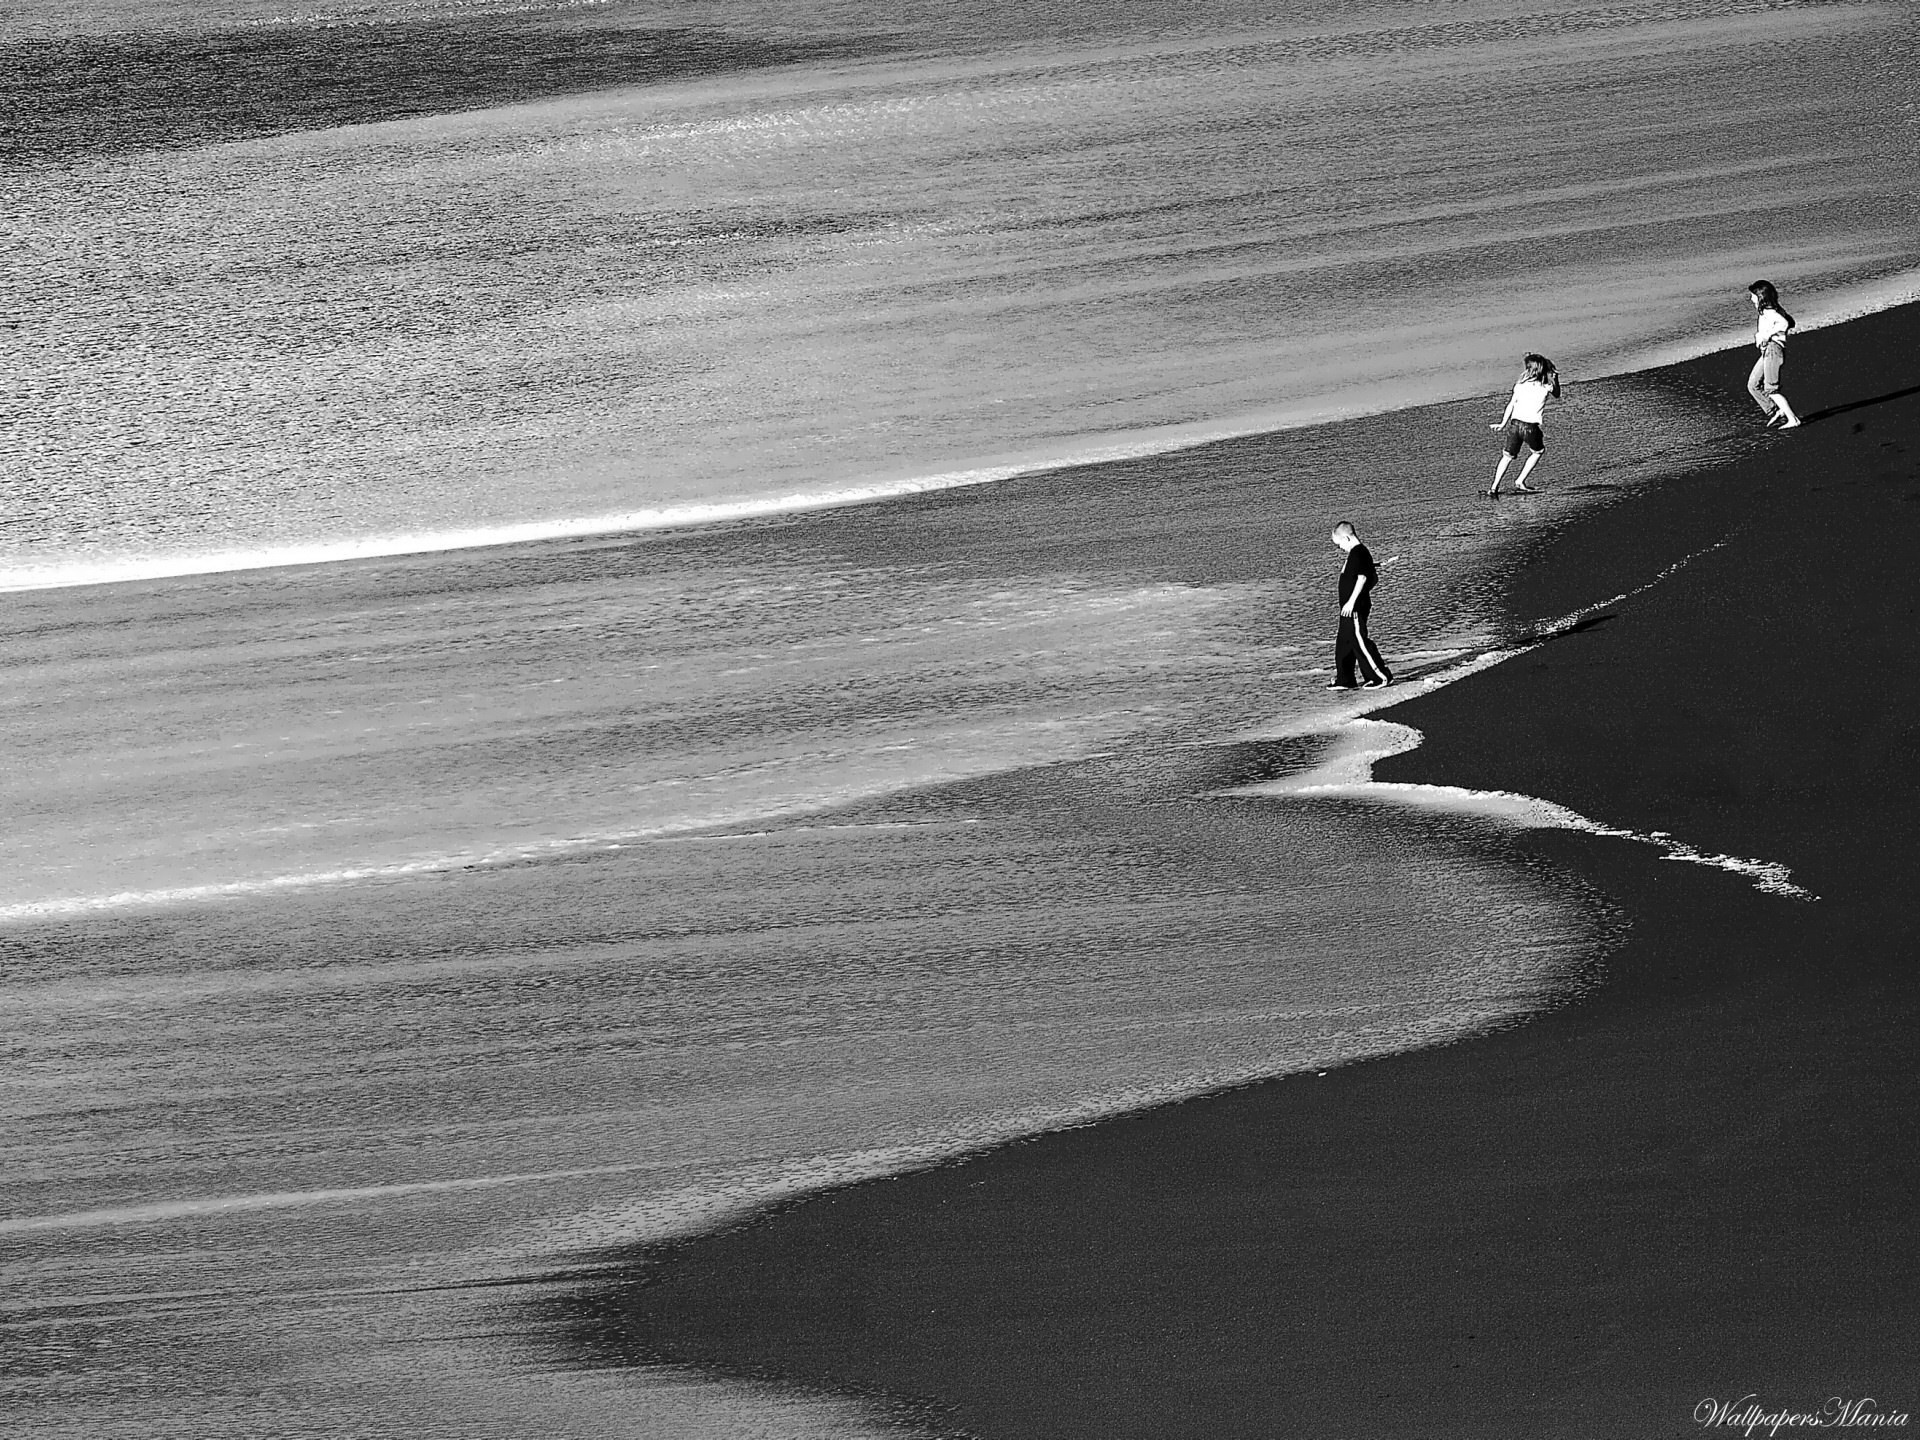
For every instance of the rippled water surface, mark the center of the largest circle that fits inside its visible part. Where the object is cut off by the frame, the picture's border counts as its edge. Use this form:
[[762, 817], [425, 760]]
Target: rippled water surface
[[821, 249], [377, 936], [381, 935], [382, 932]]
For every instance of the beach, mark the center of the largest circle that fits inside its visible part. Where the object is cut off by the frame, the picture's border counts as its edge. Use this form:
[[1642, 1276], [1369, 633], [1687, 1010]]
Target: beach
[[442, 273], [665, 725], [384, 936], [1690, 1184], [416, 968]]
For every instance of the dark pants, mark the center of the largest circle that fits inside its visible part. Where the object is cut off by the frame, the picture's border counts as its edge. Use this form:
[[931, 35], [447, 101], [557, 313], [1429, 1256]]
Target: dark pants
[[1354, 644]]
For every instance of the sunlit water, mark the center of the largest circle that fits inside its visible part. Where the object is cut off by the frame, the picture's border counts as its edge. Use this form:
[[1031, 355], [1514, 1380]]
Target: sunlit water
[[377, 932], [993, 241]]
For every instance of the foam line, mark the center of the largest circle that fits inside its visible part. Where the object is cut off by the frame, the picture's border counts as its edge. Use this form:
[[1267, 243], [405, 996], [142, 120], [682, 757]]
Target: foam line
[[67, 907], [1143, 444], [1473, 664], [1829, 309], [1346, 771], [1347, 774], [202, 1206], [70, 906]]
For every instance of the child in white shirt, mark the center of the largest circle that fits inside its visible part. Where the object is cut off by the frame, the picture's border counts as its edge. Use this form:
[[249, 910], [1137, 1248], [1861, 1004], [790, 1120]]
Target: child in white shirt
[[1539, 382], [1770, 336]]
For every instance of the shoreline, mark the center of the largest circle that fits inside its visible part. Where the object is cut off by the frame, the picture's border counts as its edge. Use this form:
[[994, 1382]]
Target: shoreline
[[1690, 1182], [1087, 453]]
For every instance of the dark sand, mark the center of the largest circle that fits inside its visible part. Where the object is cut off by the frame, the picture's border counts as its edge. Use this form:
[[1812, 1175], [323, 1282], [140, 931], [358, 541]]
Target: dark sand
[[1699, 1179]]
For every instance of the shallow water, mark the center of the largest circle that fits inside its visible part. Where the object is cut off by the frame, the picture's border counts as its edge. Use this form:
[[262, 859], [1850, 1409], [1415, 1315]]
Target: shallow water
[[377, 936], [388, 933], [385, 932], [215, 734], [1005, 236]]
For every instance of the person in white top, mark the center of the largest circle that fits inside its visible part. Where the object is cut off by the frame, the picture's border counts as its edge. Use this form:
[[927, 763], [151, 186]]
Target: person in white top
[[1770, 336], [1538, 383]]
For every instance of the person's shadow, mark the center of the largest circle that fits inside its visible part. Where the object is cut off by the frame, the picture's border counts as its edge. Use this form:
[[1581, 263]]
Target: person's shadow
[[1579, 627], [1833, 410]]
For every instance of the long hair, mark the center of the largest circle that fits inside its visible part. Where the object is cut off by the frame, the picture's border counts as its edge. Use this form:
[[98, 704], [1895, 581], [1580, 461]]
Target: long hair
[[1547, 372], [1769, 298]]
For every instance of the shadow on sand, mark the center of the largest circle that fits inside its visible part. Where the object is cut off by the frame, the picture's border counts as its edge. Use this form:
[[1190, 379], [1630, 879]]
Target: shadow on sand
[[1833, 410]]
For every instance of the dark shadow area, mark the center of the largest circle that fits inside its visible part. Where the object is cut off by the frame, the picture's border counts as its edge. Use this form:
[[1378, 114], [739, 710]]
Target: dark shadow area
[[71, 98], [1589, 623], [1833, 410], [1579, 627]]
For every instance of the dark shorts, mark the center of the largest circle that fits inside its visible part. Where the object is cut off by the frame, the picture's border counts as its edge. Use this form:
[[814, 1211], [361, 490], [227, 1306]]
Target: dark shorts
[[1519, 432]]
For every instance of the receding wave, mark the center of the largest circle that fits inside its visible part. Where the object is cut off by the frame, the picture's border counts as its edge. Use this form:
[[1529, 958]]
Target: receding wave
[[1828, 309], [1158, 441]]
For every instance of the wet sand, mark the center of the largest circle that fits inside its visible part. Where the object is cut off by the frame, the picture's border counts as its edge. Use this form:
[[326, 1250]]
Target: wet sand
[[1693, 1182], [377, 935]]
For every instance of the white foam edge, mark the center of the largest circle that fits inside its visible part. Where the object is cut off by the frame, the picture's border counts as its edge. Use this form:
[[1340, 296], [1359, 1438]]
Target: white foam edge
[[1144, 443], [1345, 772], [66, 907], [1831, 308]]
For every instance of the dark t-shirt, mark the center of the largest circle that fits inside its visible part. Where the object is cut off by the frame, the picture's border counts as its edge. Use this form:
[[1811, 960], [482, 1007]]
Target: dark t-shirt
[[1359, 562]]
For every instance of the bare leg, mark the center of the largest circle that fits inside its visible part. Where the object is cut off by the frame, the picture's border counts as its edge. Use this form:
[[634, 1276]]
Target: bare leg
[[1498, 471], [1789, 419], [1526, 470]]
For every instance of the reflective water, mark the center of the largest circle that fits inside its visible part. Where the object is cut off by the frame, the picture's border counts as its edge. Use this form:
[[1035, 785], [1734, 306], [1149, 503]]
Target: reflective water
[[968, 241], [375, 935], [380, 934], [383, 932]]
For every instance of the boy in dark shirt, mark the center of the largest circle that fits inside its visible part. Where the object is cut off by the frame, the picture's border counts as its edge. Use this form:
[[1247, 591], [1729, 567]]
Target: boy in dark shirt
[[1358, 580]]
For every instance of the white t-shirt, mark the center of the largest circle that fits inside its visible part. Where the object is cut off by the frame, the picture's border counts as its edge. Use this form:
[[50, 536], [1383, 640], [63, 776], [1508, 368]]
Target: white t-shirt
[[1530, 401], [1772, 329]]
